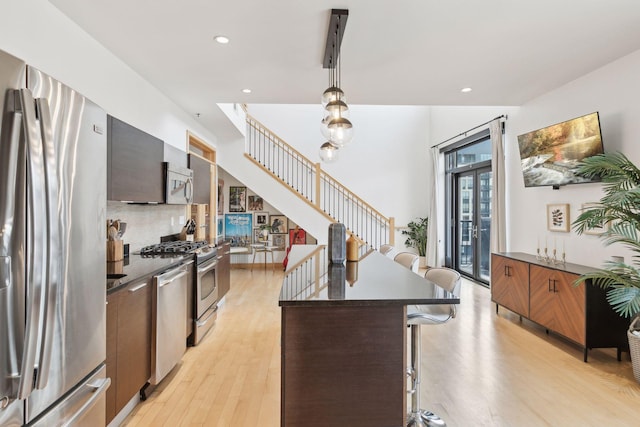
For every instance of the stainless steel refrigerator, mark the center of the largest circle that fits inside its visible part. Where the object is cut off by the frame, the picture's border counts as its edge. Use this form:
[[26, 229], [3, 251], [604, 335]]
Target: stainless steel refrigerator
[[52, 252]]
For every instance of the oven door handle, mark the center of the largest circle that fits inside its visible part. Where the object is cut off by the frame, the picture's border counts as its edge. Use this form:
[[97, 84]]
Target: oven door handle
[[206, 267]]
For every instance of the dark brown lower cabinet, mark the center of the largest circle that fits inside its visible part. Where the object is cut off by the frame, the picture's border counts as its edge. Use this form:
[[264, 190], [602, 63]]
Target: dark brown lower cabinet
[[343, 366], [579, 313], [128, 343]]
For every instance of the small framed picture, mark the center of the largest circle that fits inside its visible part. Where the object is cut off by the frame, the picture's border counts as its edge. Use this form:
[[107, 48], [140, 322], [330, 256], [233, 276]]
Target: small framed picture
[[558, 217], [297, 236], [260, 219], [237, 199], [596, 231], [278, 224], [280, 241], [259, 236], [255, 203]]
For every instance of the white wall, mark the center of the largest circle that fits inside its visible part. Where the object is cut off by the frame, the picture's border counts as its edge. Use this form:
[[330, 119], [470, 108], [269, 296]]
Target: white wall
[[612, 91], [385, 164], [35, 31]]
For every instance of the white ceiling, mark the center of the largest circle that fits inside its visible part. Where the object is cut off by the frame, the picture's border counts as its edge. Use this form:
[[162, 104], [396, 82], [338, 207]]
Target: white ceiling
[[402, 52]]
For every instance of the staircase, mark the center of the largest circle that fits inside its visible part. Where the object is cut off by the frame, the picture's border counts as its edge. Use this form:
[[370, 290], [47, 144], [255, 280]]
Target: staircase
[[314, 186]]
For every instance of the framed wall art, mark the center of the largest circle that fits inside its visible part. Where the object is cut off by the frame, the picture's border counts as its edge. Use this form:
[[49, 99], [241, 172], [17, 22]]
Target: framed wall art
[[238, 229], [558, 217], [259, 236], [596, 231], [255, 203], [278, 224], [237, 199], [280, 241], [297, 236], [260, 219]]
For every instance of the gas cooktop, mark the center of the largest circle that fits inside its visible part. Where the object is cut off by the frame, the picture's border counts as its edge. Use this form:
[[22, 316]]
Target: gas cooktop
[[177, 247]]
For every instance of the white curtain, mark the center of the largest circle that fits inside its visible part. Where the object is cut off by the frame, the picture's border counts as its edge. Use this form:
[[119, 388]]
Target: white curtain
[[498, 220], [436, 211]]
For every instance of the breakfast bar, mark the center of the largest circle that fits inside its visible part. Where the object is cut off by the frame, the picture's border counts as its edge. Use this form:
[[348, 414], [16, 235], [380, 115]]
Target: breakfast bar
[[344, 338]]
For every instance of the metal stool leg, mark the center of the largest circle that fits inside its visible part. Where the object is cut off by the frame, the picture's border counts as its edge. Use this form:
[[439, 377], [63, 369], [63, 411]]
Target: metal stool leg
[[418, 417]]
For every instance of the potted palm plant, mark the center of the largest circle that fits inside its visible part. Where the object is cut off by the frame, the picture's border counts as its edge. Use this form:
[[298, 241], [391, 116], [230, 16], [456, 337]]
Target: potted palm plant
[[619, 210], [417, 237]]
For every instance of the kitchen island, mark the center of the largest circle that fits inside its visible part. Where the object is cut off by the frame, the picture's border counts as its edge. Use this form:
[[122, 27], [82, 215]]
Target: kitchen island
[[344, 338]]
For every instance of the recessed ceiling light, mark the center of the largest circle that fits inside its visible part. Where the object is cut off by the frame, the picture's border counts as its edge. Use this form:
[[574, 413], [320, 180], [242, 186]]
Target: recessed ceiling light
[[246, 90], [466, 90], [221, 39]]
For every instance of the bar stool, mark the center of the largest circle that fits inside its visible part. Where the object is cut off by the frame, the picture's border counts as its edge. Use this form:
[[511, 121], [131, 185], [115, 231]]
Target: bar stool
[[388, 250], [449, 280], [409, 260]]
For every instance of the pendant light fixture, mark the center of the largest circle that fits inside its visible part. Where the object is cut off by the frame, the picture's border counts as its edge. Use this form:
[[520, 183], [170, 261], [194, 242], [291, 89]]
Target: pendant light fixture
[[328, 152], [335, 126]]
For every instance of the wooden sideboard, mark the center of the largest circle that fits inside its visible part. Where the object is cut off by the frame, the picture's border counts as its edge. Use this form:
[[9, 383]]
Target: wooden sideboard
[[545, 294]]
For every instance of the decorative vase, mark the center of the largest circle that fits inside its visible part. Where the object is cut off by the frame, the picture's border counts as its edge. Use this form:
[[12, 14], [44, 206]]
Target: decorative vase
[[352, 248], [337, 243]]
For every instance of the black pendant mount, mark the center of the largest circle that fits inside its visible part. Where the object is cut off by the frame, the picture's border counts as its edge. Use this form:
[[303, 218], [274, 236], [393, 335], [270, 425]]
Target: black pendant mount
[[337, 24]]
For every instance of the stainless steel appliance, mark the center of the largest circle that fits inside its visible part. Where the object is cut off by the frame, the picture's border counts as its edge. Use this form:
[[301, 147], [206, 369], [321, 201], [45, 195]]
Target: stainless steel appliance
[[206, 294], [179, 185], [205, 285], [169, 311], [52, 252]]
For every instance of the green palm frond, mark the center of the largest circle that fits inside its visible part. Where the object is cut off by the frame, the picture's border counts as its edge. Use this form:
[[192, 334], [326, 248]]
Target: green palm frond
[[619, 208], [625, 301]]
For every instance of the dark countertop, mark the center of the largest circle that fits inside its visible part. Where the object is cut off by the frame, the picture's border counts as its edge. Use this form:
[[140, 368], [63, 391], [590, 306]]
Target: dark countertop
[[531, 259], [136, 267], [373, 280]]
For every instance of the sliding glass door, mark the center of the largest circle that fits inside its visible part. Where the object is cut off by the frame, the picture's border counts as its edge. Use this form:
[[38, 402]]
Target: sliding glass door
[[468, 211], [472, 191]]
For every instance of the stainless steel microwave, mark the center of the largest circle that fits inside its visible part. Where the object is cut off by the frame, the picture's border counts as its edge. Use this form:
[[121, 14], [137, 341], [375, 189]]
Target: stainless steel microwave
[[179, 185]]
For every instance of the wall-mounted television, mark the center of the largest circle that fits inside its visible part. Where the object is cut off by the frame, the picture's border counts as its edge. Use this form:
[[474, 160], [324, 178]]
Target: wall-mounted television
[[550, 156]]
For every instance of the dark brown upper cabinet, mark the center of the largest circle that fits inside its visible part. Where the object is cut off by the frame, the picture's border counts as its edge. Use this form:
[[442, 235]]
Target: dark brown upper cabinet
[[134, 164]]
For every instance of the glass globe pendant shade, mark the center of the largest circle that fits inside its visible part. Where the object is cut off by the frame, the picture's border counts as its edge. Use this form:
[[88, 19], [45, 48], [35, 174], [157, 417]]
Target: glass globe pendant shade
[[340, 131], [333, 93], [324, 126], [328, 153], [337, 109]]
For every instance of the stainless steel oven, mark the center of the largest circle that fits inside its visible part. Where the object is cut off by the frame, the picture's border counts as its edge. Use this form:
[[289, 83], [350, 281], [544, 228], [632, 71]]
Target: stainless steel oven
[[206, 290]]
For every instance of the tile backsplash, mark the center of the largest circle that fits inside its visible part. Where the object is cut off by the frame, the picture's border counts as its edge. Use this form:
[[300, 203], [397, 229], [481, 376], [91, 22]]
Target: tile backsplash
[[146, 223]]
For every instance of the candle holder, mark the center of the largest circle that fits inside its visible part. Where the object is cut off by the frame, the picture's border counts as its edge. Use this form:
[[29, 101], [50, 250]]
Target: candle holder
[[538, 256], [546, 258], [560, 261]]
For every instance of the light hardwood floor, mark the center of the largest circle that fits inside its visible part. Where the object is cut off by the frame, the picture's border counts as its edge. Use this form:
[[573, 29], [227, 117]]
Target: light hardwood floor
[[480, 369]]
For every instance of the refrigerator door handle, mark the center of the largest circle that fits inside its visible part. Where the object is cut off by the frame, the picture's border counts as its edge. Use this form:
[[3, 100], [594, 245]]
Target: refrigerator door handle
[[99, 387], [10, 251], [36, 245], [53, 272]]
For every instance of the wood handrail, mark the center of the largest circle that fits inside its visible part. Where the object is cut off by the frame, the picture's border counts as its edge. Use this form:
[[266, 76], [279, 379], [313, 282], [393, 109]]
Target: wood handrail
[[302, 261], [282, 141], [356, 196], [262, 144]]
